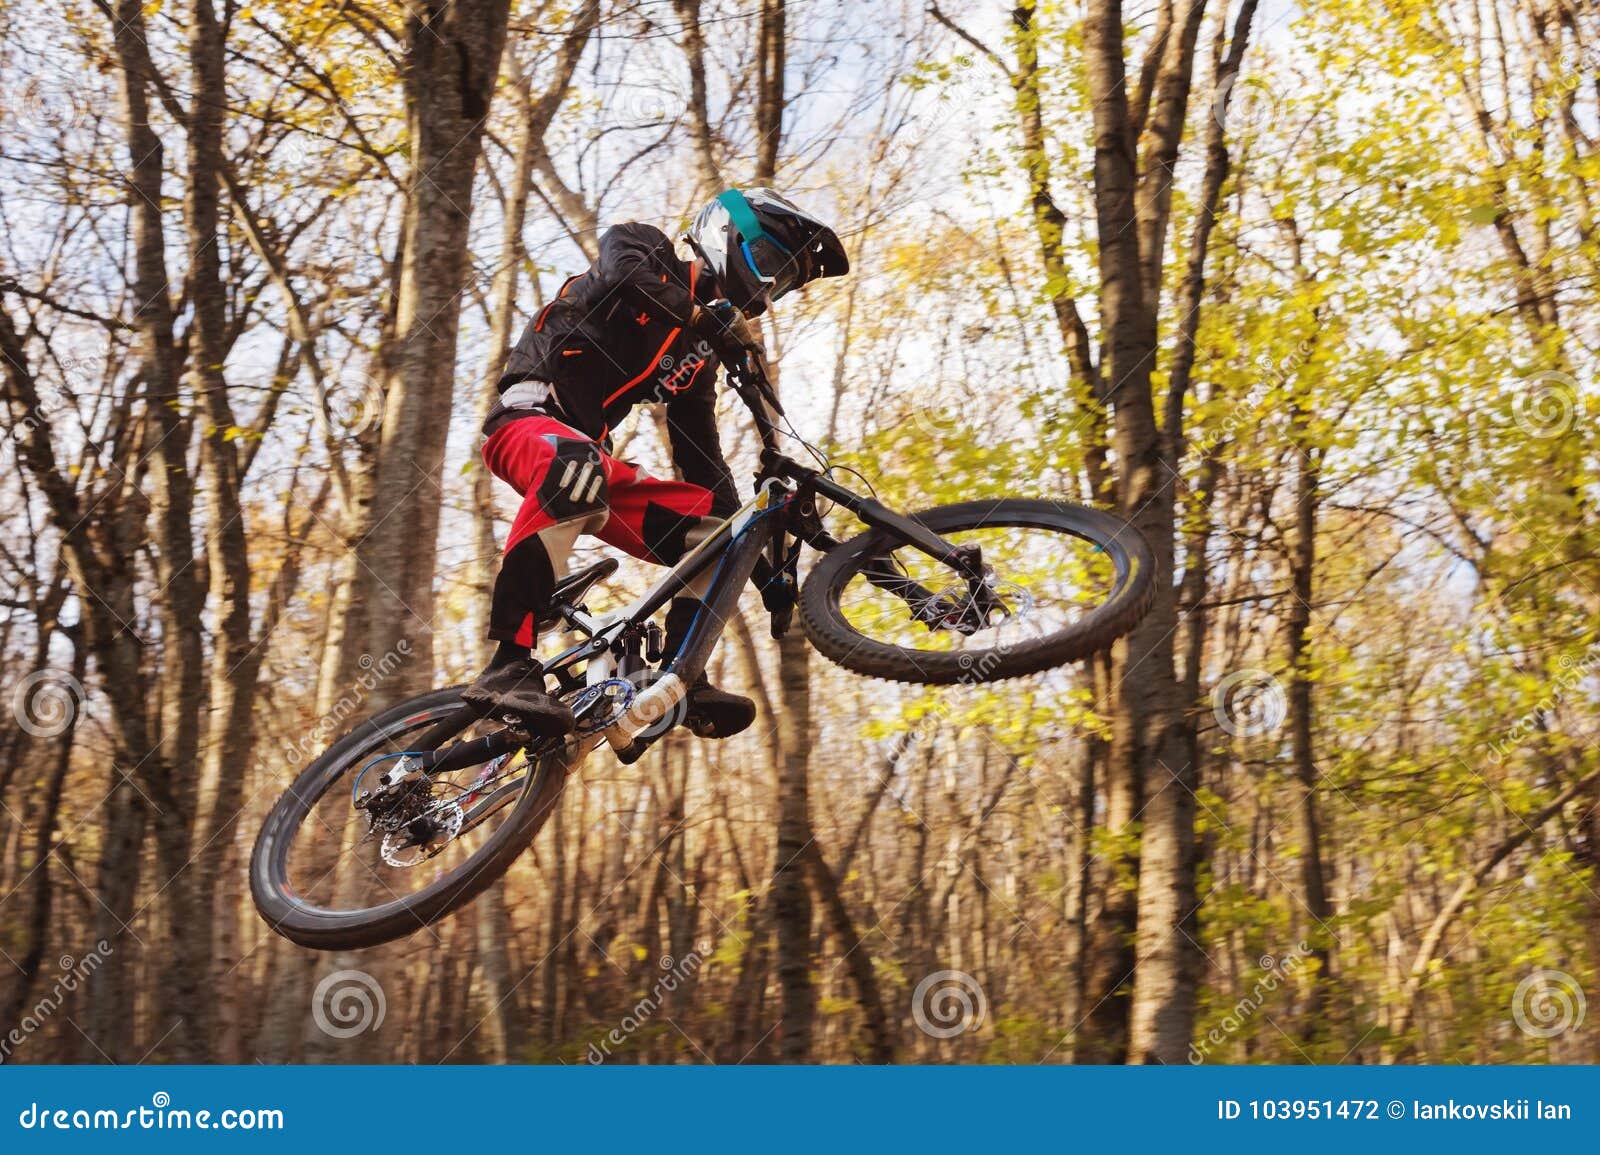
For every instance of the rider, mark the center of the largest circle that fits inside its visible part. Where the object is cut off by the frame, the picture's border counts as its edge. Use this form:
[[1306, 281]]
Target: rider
[[639, 326]]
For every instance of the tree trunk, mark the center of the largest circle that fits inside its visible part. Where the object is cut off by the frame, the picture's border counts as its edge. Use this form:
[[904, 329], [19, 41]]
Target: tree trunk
[[235, 658], [857, 958], [41, 892], [708, 176], [452, 59], [1148, 740], [791, 899], [1303, 563], [166, 767]]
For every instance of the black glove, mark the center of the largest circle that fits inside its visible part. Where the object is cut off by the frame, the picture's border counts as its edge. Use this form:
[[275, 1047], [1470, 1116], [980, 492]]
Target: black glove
[[729, 331], [738, 345]]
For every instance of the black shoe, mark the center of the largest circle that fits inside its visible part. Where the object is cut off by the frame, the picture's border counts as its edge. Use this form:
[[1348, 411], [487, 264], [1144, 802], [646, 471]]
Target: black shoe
[[715, 713], [517, 689]]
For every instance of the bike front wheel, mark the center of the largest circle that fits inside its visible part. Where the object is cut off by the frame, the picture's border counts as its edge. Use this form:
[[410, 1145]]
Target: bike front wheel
[[1061, 582]]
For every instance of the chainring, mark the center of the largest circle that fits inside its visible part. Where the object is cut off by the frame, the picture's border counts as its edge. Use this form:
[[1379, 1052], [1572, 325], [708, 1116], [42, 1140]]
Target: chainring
[[601, 704]]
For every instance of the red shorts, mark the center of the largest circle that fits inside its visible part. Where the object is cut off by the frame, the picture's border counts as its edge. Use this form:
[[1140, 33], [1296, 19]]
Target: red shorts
[[568, 485]]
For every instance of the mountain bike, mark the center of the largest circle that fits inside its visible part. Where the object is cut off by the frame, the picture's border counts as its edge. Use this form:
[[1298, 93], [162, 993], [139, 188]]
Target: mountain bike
[[417, 810]]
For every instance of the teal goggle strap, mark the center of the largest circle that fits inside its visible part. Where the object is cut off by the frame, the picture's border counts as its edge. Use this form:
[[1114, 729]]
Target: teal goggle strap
[[754, 237]]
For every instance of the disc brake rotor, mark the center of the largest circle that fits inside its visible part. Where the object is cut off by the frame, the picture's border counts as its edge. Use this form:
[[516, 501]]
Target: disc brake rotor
[[422, 837], [968, 614]]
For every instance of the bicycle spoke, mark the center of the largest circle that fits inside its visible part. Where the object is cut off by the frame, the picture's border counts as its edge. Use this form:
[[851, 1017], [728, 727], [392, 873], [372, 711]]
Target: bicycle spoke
[[1039, 583]]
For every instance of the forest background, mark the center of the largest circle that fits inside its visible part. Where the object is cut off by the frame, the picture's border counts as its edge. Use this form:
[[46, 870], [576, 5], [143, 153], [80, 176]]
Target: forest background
[[1308, 291]]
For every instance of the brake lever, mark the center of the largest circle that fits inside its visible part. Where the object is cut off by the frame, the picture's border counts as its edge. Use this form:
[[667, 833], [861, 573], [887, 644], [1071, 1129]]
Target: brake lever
[[748, 375]]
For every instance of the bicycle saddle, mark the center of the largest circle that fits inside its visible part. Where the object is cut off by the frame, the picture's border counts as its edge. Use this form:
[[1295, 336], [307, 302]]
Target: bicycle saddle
[[572, 589]]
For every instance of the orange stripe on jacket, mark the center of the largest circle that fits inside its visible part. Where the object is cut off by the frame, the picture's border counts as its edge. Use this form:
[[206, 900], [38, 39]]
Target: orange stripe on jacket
[[661, 352]]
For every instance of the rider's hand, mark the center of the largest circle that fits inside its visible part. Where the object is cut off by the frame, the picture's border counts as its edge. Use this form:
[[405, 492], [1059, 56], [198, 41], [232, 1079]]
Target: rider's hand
[[736, 339], [725, 325]]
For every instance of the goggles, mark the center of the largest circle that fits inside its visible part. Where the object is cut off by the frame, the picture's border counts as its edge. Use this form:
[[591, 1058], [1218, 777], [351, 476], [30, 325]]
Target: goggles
[[772, 263]]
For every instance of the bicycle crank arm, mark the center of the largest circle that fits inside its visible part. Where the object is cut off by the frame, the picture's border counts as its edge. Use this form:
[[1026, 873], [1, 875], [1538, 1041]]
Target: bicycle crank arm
[[646, 710]]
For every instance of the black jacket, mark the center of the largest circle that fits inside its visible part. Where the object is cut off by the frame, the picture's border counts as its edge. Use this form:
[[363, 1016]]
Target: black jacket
[[617, 336]]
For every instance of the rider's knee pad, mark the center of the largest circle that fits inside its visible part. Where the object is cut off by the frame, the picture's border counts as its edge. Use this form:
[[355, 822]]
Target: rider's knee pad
[[575, 482]]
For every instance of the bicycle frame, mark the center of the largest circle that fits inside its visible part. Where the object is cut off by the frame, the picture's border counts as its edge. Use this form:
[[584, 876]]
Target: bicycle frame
[[735, 547]]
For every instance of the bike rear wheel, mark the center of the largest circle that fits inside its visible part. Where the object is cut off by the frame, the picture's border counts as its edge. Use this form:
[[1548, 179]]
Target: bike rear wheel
[[327, 875], [1063, 582]]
